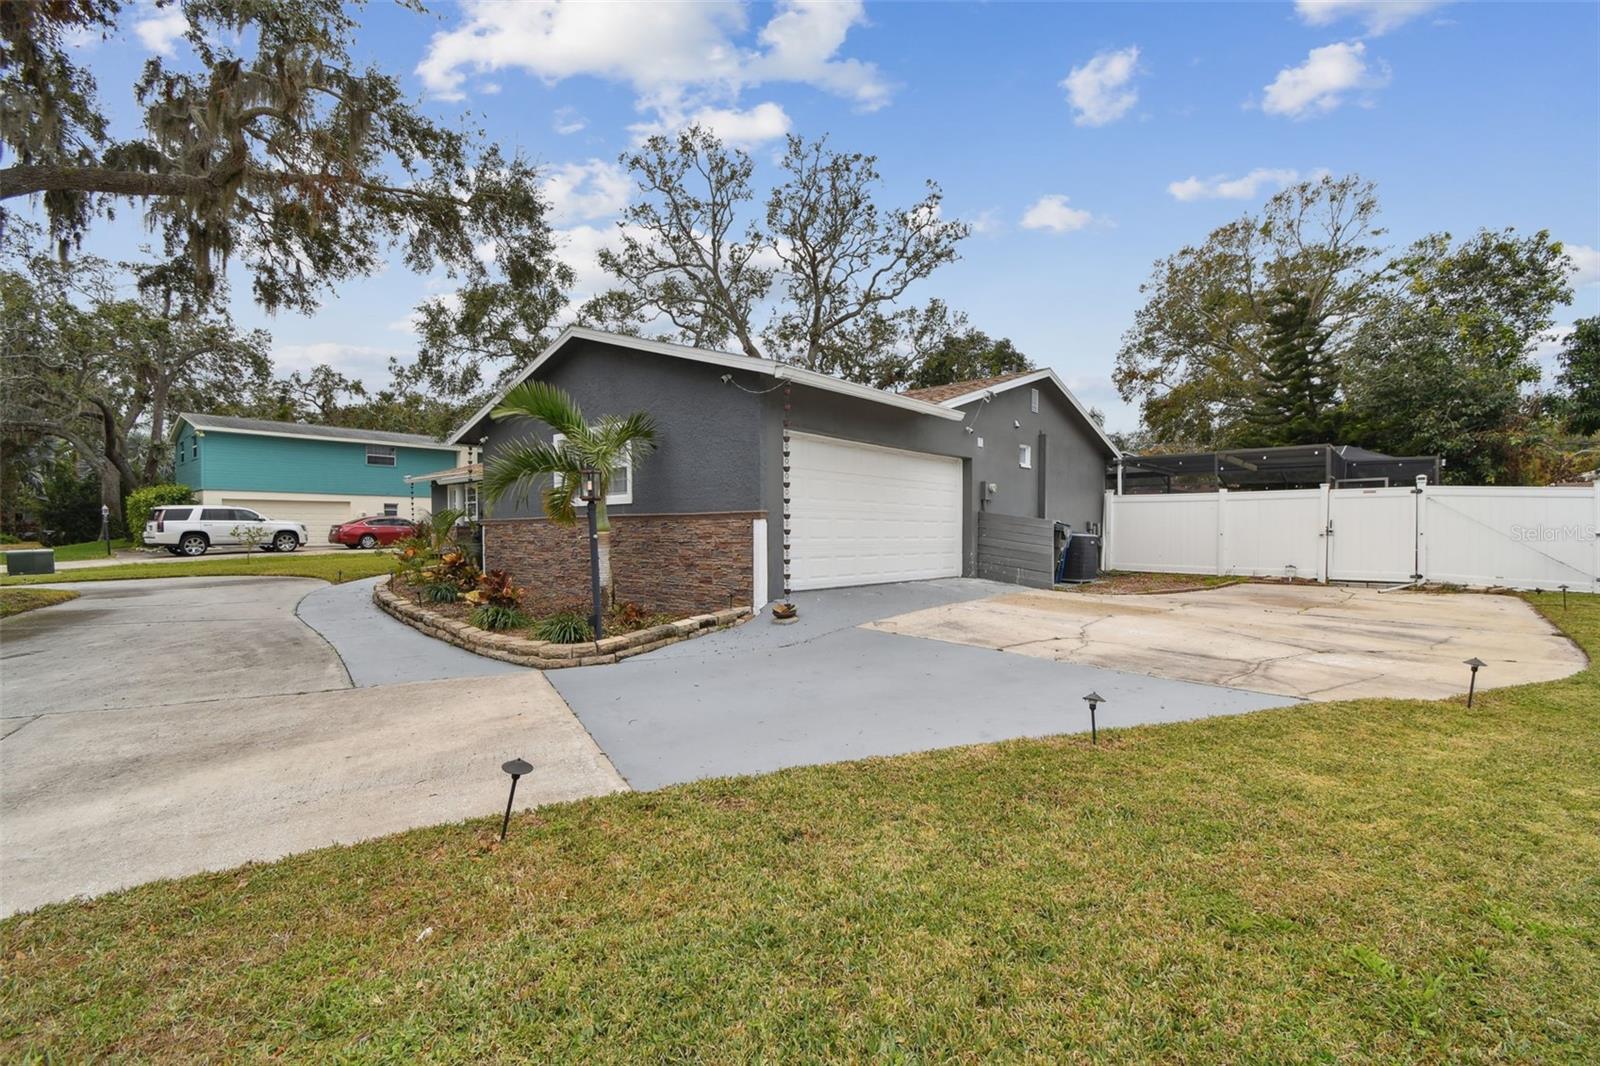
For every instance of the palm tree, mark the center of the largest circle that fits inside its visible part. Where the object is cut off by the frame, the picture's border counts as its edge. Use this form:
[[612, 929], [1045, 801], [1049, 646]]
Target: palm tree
[[580, 445]]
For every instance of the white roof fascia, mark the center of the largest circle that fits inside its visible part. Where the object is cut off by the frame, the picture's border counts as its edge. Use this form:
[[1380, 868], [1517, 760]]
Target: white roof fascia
[[1030, 379]]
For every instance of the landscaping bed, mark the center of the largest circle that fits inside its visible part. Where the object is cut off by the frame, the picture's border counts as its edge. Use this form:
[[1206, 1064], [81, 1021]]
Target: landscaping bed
[[1139, 583], [451, 622]]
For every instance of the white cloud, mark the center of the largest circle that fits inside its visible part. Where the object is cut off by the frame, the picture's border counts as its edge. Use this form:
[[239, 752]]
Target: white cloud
[[161, 29], [1321, 83], [1099, 91], [568, 121], [680, 55], [1377, 16], [1587, 262], [577, 192], [366, 363], [986, 221], [745, 129], [1220, 187], [1052, 213]]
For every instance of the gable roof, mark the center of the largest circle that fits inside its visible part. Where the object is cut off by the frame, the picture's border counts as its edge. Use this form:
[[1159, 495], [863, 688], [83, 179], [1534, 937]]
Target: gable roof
[[261, 427], [979, 388], [772, 368], [941, 393]]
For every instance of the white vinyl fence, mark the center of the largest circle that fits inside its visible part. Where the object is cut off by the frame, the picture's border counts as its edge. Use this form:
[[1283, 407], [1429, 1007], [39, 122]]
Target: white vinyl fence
[[1540, 538]]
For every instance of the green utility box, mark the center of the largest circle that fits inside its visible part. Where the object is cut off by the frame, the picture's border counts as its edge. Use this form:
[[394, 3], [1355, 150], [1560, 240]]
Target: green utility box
[[31, 561]]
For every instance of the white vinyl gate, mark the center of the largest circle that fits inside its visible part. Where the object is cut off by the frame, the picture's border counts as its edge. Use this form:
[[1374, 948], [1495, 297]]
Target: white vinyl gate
[[1372, 534], [1518, 537]]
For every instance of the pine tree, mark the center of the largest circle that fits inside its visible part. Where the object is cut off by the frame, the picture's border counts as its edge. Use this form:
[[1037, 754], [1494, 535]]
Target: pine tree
[[1294, 399]]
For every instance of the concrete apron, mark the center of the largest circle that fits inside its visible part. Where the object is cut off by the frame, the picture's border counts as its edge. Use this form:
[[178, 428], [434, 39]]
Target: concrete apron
[[1313, 642], [101, 801]]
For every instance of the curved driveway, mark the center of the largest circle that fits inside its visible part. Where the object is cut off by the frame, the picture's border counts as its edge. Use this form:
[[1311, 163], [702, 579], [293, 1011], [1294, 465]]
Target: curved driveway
[[161, 727]]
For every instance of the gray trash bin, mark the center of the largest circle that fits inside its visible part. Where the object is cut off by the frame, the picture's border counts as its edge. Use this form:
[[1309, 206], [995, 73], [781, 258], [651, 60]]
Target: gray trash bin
[[31, 561]]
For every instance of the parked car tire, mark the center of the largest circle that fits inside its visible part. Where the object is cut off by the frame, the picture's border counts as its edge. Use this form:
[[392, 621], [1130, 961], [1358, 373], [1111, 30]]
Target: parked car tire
[[368, 541], [172, 549], [193, 545], [285, 542]]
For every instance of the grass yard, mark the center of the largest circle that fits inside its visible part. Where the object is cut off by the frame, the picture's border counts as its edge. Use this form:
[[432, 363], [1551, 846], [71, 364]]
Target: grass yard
[[15, 601], [89, 549], [1361, 881], [330, 566]]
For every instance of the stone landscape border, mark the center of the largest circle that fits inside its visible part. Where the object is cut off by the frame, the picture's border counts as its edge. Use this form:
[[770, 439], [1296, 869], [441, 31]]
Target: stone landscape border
[[543, 654]]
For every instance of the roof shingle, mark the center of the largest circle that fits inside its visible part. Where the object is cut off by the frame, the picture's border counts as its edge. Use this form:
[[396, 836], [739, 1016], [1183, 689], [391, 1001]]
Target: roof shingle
[[941, 393]]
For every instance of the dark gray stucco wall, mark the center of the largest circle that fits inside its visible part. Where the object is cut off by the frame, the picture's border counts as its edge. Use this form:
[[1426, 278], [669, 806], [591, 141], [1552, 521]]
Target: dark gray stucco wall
[[708, 434], [1074, 458]]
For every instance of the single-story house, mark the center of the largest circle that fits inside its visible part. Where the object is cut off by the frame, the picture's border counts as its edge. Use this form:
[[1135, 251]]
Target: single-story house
[[319, 475], [769, 477]]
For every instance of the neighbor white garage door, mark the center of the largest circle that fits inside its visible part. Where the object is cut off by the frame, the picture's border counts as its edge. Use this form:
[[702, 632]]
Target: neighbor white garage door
[[863, 515], [317, 515]]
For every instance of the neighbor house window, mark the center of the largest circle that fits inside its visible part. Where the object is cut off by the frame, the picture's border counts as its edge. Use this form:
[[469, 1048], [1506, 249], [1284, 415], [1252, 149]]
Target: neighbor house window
[[621, 479], [1033, 404], [391, 510], [380, 455], [194, 448], [1024, 455]]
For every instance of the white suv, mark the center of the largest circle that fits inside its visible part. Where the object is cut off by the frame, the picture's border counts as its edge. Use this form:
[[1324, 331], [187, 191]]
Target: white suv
[[190, 529]]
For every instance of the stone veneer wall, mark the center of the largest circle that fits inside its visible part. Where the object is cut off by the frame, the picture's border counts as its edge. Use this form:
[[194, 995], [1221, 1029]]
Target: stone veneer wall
[[673, 563]]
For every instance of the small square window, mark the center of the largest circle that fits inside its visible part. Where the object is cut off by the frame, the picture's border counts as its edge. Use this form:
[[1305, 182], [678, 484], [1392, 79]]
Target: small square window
[[1033, 400], [1024, 456], [391, 510], [380, 455]]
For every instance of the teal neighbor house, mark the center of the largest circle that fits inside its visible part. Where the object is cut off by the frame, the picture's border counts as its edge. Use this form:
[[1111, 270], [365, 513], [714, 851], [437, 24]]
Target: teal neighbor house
[[319, 475]]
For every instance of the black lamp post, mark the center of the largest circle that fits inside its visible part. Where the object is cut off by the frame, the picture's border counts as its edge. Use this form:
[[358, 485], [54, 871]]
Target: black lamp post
[[1094, 700], [1563, 597], [1473, 662], [590, 491], [516, 768]]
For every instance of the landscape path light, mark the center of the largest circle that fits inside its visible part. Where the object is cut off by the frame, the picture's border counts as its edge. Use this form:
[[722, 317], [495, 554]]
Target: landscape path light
[[1472, 685], [516, 768], [589, 489], [1094, 700]]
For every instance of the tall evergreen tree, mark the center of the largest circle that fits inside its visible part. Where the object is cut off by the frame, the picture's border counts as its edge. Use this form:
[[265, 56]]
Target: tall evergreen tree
[[1295, 393]]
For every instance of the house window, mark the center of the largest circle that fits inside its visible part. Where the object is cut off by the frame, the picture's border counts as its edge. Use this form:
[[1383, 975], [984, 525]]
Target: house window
[[194, 448], [391, 510], [1033, 403], [621, 490], [463, 498], [380, 455], [1024, 456]]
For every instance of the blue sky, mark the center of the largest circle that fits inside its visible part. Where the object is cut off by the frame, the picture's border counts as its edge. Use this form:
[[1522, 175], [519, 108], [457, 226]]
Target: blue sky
[[1084, 141]]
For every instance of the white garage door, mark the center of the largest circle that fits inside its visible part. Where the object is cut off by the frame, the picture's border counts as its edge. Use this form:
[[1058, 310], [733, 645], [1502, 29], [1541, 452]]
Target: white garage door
[[863, 515], [318, 515]]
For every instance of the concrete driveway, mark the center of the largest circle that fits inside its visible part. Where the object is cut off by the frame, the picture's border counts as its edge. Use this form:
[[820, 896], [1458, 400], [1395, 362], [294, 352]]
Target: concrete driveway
[[1310, 641], [157, 728], [763, 696]]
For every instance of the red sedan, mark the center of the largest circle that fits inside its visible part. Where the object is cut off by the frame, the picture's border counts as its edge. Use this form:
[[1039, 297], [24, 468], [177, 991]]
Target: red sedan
[[371, 532]]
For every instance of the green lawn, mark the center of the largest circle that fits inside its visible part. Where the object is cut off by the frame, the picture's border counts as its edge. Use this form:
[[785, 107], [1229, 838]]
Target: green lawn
[[15, 601], [1362, 881], [330, 566]]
